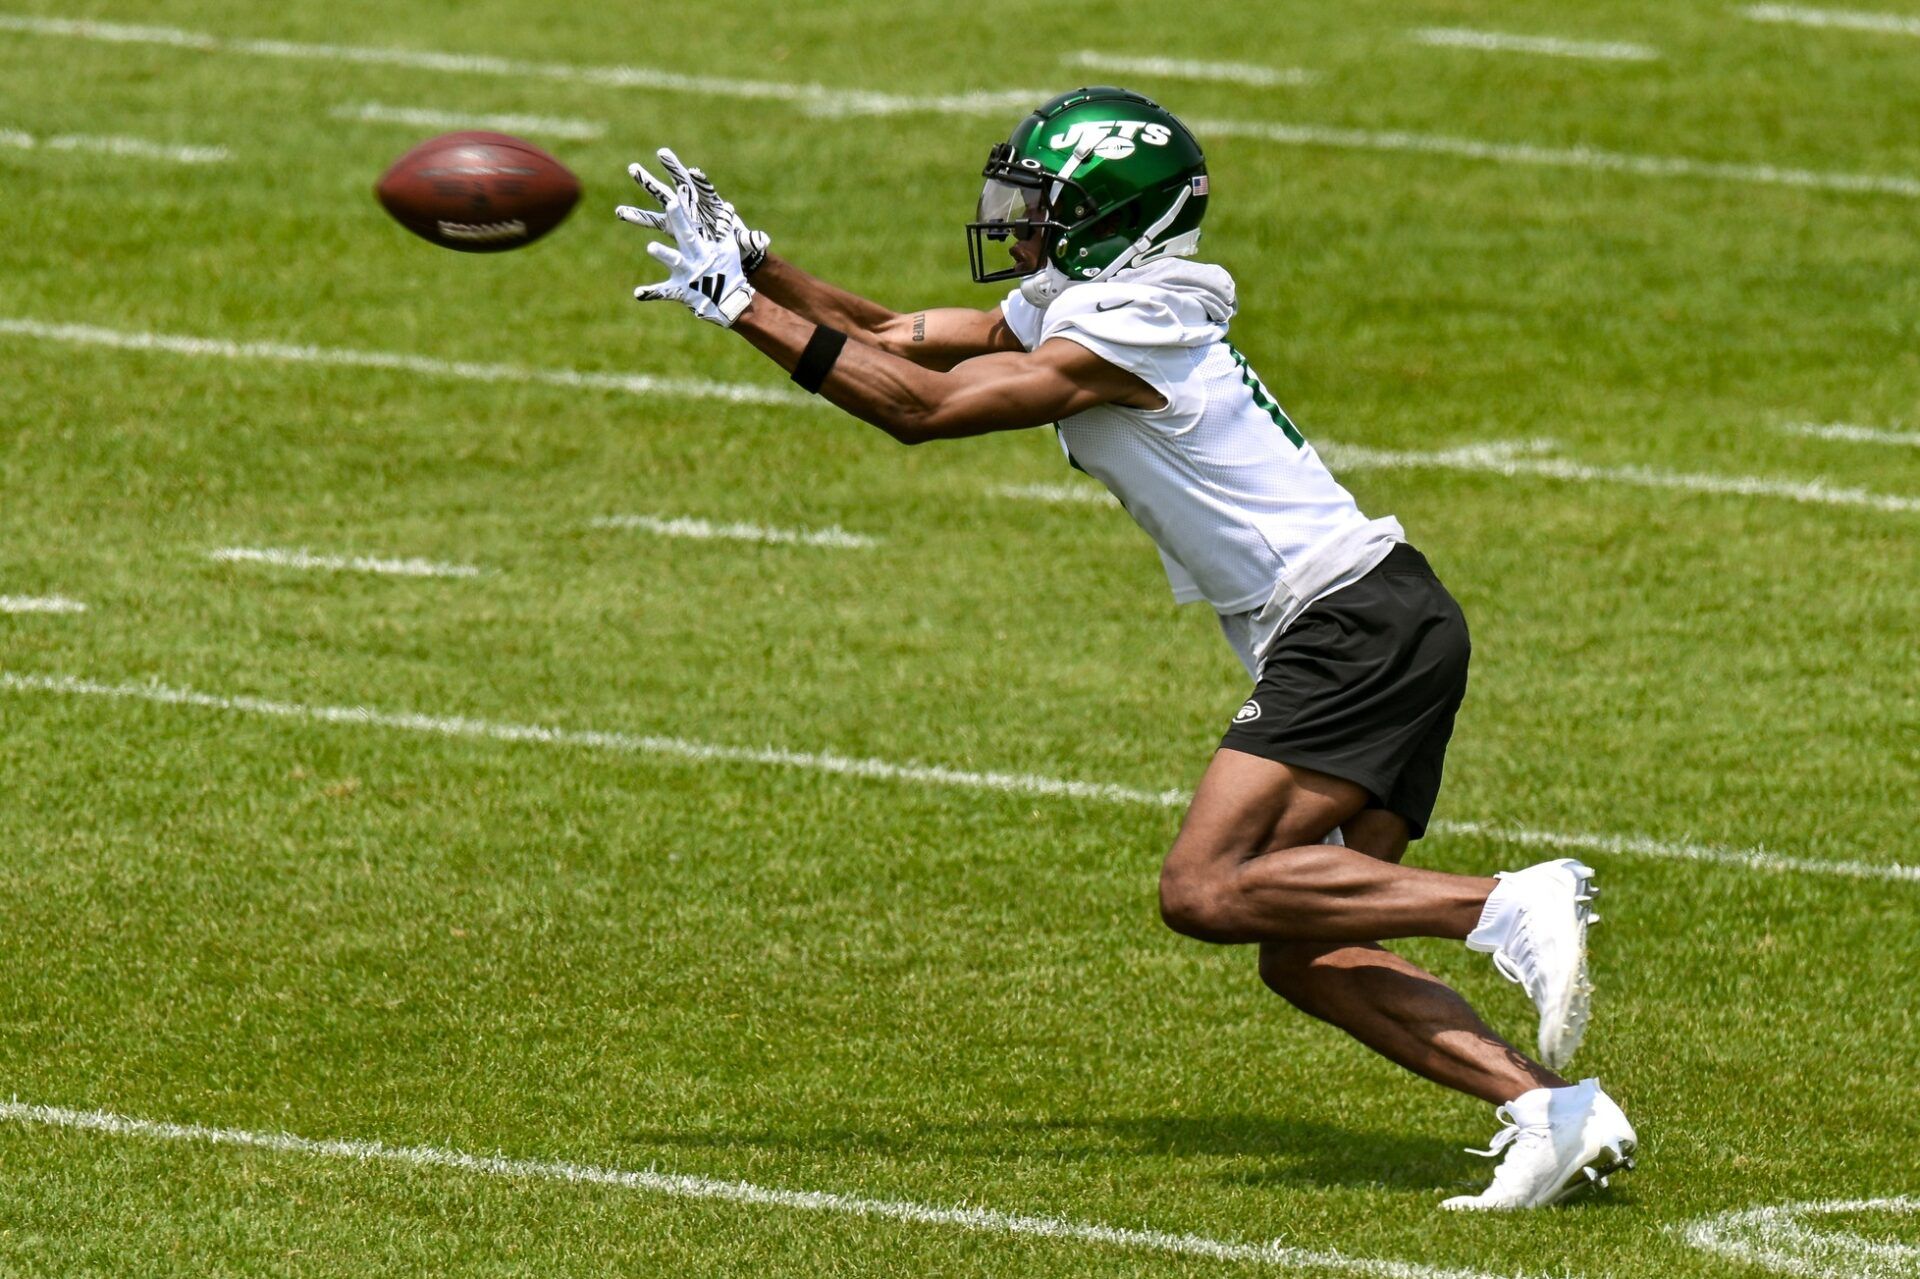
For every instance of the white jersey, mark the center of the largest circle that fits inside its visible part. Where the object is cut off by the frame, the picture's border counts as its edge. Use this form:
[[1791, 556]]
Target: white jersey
[[1244, 512]]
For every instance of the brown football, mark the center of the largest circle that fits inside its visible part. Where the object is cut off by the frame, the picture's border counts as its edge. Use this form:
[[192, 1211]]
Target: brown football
[[478, 192]]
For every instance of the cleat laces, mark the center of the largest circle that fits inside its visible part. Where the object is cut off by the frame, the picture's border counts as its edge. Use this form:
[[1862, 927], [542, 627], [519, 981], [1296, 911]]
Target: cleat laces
[[1507, 968], [1502, 1139], [1511, 1177]]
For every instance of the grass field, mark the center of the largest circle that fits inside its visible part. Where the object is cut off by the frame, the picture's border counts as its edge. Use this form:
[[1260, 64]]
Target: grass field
[[1695, 634]]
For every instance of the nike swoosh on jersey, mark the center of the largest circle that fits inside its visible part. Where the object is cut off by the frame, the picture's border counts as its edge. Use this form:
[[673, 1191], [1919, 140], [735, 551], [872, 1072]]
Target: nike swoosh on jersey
[[1112, 306]]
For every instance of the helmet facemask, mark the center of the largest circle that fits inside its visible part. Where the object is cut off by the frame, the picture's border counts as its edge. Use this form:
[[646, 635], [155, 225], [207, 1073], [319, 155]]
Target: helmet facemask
[[1018, 203]]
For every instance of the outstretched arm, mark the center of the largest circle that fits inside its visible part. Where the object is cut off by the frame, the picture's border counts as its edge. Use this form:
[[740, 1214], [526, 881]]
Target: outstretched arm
[[997, 392], [936, 339]]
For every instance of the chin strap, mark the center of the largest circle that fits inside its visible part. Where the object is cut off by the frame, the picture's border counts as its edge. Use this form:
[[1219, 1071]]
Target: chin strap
[[1147, 237], [1133, 251], [1044, 285]]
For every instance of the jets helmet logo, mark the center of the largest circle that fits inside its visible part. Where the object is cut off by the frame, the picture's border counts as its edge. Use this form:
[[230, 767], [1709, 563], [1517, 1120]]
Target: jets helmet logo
[[1111, 139]]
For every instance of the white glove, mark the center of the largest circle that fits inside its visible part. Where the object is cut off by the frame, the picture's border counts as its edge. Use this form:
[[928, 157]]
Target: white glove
[[753, 244], [716, 214], [706, 275]]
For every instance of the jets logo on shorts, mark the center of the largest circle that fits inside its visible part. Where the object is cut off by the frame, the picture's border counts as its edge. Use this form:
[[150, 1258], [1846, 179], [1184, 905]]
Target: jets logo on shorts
[[1248, 713]]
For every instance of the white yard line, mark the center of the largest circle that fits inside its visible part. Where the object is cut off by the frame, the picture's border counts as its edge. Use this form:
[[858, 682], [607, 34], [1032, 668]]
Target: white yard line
[[281, 558], [1897, 24], [623, 743], [1061, 494], [1778, 1239], [40, 604], [1549, 46], [987, 102], [1183, 69], [1355, 457], [682, 526], [1810, 492], [1852, 434], [287, 353], [1340, 455], [128, 148], [1653, 166], [1756, 858], [683, 1186], [812, 97], [431, 118], [1518, 459], [883, 770]]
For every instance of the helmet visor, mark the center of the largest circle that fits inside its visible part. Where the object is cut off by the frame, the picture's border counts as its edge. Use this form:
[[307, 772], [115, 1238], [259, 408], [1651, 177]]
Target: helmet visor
[[1007, 209], [1011, 214]]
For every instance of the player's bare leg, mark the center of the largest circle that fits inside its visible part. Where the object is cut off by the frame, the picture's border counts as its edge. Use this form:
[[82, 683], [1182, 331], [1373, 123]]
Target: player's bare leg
[[1249, 866], [1404, 1013], [1394, 1006]]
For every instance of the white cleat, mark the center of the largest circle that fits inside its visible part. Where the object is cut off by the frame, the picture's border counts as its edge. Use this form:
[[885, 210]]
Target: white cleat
[[1559, 1141], [1535, 927]]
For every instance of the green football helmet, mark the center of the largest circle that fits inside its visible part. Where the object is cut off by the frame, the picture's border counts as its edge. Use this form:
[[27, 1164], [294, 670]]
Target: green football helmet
[[1107, 177]]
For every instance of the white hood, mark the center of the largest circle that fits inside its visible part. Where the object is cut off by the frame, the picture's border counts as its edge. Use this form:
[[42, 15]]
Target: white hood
[[1199, 295], [1202, 285], [1171, 303], [1209, 286], [1202, 294]]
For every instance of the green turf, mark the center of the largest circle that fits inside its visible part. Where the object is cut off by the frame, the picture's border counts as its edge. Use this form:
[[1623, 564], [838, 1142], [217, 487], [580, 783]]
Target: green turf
[[932, 995]]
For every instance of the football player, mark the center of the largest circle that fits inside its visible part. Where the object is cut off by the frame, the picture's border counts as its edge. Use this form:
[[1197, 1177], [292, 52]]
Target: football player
[[1294, 839]]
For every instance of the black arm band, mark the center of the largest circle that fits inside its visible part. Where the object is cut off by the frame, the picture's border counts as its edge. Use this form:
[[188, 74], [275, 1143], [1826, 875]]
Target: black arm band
[[823, 348]]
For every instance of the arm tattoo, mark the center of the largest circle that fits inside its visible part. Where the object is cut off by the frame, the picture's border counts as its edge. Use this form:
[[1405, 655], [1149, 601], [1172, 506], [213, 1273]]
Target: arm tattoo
[[920, 327]]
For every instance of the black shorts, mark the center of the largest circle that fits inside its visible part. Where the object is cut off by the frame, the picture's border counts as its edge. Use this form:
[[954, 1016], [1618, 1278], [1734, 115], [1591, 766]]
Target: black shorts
[[1364, 686]]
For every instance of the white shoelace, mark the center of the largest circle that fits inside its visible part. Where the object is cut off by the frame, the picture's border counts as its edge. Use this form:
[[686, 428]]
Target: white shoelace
[[1502, 1139], [1508, 1178]]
